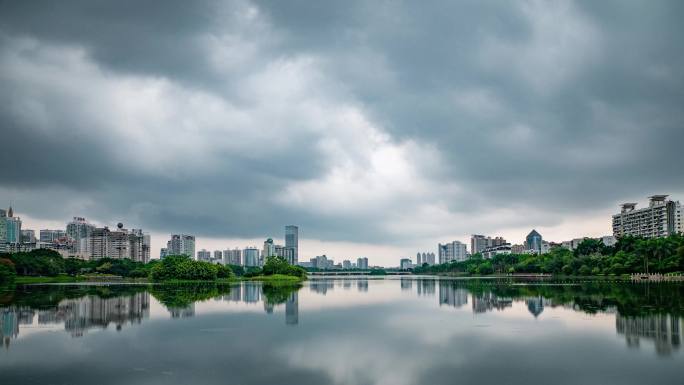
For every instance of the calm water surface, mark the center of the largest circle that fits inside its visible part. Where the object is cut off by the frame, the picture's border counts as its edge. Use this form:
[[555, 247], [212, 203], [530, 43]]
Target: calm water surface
[[344, 331]]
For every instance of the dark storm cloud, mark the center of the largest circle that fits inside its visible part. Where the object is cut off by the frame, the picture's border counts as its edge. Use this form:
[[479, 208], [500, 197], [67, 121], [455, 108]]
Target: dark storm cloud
[[562, 106]]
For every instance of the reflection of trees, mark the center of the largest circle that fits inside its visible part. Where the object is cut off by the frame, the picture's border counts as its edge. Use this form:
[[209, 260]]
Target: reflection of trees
[[180, 299]]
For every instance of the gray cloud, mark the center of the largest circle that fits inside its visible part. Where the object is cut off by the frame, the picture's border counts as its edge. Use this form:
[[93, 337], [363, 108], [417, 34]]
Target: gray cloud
[[366, 122]]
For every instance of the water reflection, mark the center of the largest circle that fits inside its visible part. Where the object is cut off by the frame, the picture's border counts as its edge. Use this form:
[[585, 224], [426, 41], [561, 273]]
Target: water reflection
[[642, 312]]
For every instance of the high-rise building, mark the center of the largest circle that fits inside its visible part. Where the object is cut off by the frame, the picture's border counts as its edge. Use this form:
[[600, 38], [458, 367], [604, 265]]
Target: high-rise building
[[292, 243], [181, 244], [163, 253], [120, 243], [251, 256], [362, 263], [346, 264], [405, 263], [423, 258], [453, 251], [478, 243], [28, 236], [49, 236], [204, 255], [268, 251], [79, 231], [232, 257], [218, 256], [662, 217], [12, 228], [533, 242]]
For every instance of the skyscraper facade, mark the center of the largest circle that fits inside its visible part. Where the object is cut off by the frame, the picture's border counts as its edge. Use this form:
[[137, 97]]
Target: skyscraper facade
[[292, 243], [533, 242], [478, 243], [49, 236], [181, 244], [662, 217], [79, 231], [251, 256], [453, 251], [362, 263]]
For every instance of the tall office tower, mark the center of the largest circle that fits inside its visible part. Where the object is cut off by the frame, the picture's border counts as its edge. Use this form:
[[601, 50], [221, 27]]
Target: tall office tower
[[251, 256], [661, 218], [419, 259], [362, 263], [28, 236], [292, 243], [533, 242], [453, 251], [12, 228], [204, 255], [49, 236], [79, 230], [181, 244], [3, 230]]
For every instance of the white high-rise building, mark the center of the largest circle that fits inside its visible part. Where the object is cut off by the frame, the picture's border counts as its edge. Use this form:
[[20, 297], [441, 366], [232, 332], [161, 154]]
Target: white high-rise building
[[662, 217], [79, 230], [181, 244], [453, 251], [478, 243], [232, 257], [362, 263], [120, 243]]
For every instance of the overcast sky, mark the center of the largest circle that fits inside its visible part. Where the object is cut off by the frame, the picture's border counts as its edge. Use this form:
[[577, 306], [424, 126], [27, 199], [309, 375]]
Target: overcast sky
[[379, 127]]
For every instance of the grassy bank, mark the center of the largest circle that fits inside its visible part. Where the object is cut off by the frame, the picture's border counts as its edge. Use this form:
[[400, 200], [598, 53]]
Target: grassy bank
[[277, 278], [56, 279]]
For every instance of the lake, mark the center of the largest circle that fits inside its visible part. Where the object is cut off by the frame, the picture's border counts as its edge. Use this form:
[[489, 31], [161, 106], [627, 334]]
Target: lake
[[399, 330]]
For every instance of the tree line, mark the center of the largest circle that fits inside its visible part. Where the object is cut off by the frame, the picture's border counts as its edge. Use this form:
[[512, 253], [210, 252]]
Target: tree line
[[49, 263], [591, 257]]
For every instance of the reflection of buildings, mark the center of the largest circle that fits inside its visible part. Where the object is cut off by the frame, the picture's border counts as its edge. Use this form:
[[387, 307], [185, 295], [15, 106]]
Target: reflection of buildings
[[292, 309], [406, 283], [663, 329], [426, 287], [451, 295], [362, 285], [251, 293], [489, 301], [88, 312], [182, 312], [321, 286], [535, 305], [78, 315]]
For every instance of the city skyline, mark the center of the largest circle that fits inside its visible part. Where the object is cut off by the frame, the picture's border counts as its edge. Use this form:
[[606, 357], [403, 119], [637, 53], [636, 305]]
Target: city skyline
[[374, 132], [452, 250]]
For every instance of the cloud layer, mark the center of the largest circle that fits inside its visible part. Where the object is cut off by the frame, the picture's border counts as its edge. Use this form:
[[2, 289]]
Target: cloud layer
[[391, 123]]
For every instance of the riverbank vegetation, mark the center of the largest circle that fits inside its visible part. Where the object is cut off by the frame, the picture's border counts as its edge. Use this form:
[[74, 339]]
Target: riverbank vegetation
[[48, 266], [590, 258]]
